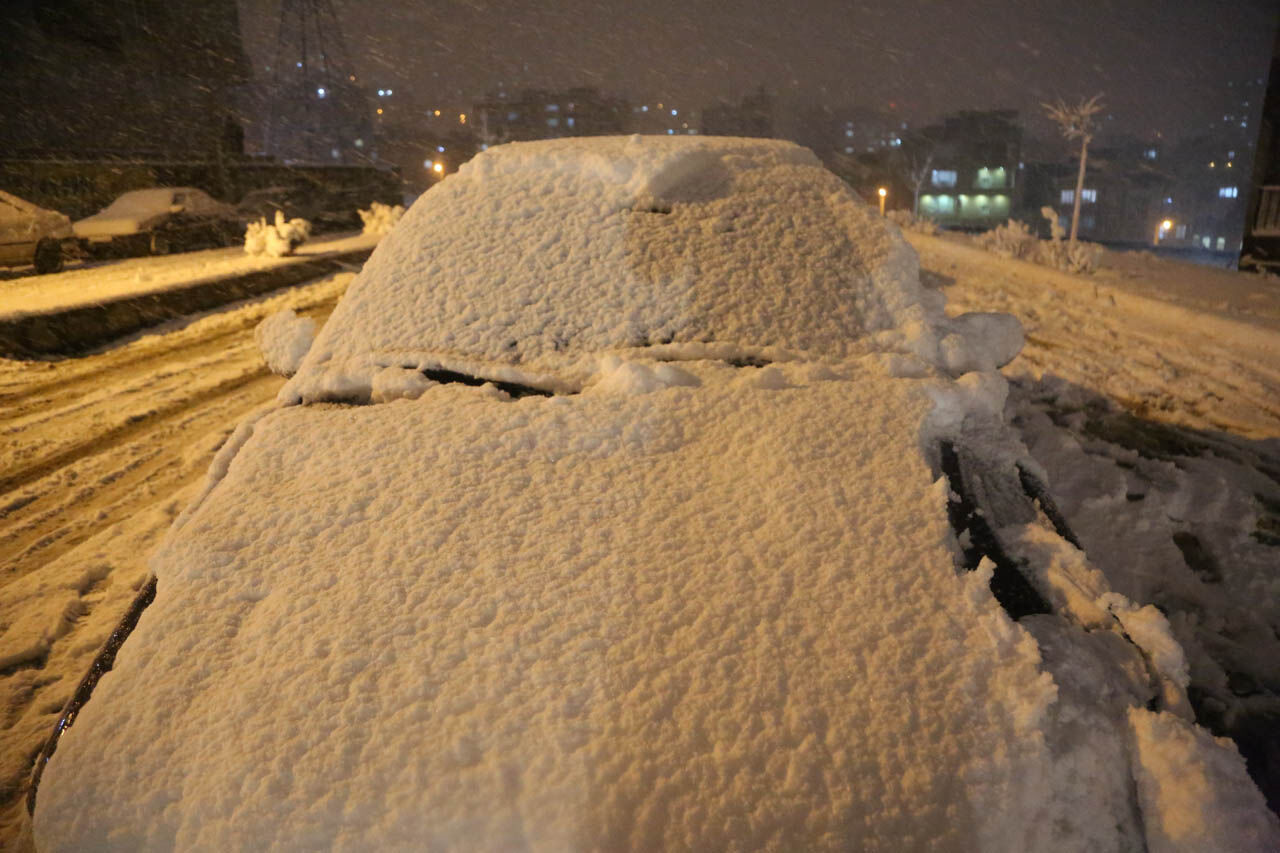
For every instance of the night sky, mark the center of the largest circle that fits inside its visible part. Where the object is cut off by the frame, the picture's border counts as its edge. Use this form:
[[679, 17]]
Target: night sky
[[1164, 64]]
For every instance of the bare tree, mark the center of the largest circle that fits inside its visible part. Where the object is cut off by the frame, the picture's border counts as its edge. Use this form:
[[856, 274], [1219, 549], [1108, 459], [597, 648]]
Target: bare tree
[[1077, 122], [918, 168]]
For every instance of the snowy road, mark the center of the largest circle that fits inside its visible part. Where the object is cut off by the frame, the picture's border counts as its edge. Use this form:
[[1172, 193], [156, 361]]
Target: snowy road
[[98, 454]]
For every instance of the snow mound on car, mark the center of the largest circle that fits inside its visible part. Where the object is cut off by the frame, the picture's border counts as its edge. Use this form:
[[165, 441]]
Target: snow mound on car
[[537, 257]]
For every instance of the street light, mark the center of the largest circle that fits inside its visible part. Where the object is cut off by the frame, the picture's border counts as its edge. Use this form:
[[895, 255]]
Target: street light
[[883, 192], [1161, 230]]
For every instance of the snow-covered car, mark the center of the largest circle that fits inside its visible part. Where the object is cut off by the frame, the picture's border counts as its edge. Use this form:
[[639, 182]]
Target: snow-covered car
[[30, 234], [327, 210], [637, 495], [160, 220]]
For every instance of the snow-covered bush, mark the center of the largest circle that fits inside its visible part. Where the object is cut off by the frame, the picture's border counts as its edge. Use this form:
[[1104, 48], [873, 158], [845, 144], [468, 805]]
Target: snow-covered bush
[[908, 221], [283, 339], [278, 239], [1077, 257], [380, 218], [1071, 256], [1014, 240]]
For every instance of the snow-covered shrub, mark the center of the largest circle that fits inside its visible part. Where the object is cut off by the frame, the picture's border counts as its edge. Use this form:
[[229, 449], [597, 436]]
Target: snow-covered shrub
[[908, 221], [1014, 240], [1077, 257], [380, 218], [278, 239], [283, 339]]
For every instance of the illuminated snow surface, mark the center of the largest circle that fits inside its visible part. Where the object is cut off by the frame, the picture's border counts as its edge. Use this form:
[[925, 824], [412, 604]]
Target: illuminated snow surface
[[695, 606]]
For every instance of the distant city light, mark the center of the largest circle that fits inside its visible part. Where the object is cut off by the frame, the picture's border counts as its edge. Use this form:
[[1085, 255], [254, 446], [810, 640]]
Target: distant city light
[[437, 112], [438, 168], [440, 148], [299, 64], [379, 110], [428, 164], [645, 108], [359, 143], [320, 91], [673, 112], [462, 118], [381, 92]]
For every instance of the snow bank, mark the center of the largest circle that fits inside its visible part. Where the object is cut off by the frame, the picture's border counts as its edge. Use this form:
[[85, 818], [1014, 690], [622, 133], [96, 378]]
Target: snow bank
[[380, 218], [276, 239], [284, 338], [1195, 791], [537, 257]]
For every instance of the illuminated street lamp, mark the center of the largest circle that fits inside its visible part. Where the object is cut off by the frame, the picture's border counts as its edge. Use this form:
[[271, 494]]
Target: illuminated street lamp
[[883, 192], [438, 168], [1161, 230]]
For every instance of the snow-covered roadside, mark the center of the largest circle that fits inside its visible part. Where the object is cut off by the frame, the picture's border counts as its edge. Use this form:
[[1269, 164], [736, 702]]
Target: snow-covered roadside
[[103, 282], [99, 454], [1158, 426]]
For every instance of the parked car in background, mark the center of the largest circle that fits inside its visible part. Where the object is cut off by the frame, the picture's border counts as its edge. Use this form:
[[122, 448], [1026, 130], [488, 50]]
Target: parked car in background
[[326, 210], [160, 220], [30, 234]]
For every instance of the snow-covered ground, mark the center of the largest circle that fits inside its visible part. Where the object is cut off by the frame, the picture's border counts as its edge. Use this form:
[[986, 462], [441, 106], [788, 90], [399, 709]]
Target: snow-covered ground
[[94, 283], [1151, 399], [1150, 393], [98, 455]]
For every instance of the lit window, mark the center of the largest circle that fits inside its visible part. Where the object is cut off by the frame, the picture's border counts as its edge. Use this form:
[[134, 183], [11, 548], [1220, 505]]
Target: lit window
[[569, 121], [673, 112], [510, 116], [1204, 241], [848, 149], [359, 143], [670, 131], [381, 92], [944, 177], [1067, 197], [848, 133], [645, 108], [1180, 232], [553, 122], [1150, 154], [334, 153], [1228, 192], [553, 108], [1088, 196], [1222, 243], [991, 178]]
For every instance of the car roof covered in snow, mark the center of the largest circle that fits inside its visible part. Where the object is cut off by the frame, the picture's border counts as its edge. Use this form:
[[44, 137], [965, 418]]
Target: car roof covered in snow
[[536, 257]]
